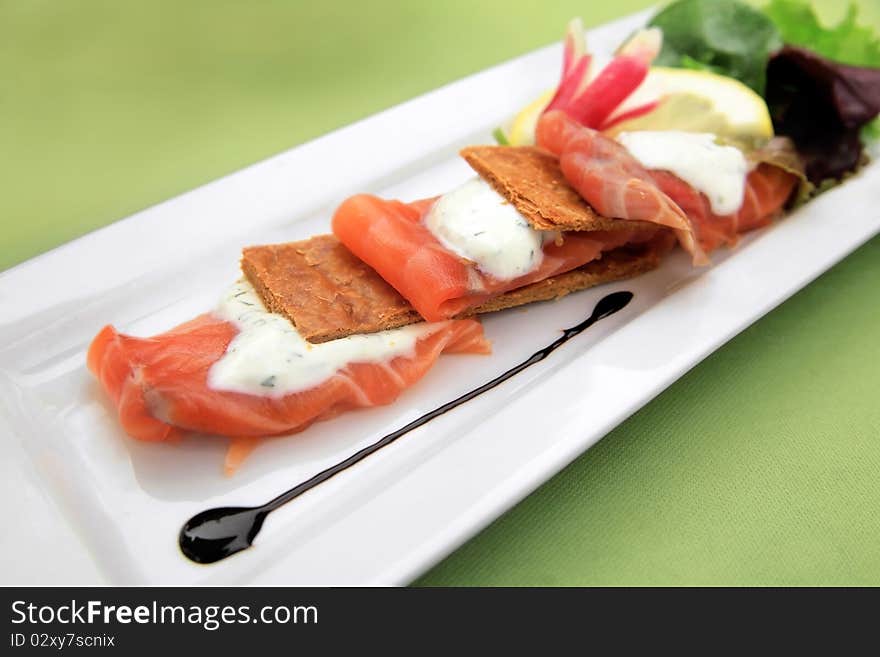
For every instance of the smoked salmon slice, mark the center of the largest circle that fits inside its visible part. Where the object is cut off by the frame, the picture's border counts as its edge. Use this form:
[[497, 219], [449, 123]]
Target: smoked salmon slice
[[160, 384], [767, 190], [610, 179], [391, 237]]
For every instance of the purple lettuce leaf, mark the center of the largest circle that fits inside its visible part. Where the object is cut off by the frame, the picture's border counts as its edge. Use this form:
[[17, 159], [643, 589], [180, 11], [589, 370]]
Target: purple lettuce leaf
[[822, 106]]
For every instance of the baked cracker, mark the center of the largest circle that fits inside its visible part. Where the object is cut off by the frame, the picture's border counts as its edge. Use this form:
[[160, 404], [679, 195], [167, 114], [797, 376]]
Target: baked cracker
[[328, 293], [531, 179], [615, 265], [324, 289]]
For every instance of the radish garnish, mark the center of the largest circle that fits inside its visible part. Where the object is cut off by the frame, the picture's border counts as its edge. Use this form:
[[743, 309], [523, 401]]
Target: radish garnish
[[575, 45], [571, 85], [644, 45], [592, 101], [610, 88], [632, 113]]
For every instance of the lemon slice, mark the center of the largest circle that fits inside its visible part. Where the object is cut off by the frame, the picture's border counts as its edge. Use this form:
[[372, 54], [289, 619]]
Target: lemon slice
[[522, 128], [693, 101], [699, 101]]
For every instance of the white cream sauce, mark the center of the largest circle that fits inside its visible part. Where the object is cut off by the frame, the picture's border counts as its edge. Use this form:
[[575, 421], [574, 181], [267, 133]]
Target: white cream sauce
[[477, 223], [270, 358], [717, 171]]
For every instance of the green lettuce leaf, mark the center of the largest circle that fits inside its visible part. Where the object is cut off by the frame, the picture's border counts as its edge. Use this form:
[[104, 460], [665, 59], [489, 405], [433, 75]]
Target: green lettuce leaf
[[500, 137], [847, 42], [725, 36]]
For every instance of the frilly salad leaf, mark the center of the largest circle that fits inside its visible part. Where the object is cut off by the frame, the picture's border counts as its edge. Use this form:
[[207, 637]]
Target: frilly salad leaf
[[724, 36], [847, 42], [823, 106]]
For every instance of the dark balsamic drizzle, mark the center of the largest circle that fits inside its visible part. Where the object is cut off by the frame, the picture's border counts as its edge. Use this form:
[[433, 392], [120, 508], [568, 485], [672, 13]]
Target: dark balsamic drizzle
[[215, 534]]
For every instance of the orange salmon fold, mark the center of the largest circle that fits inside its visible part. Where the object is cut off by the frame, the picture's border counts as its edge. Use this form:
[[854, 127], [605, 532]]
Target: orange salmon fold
[[768, 188], [159, 384], [391, 237], [610, 179]]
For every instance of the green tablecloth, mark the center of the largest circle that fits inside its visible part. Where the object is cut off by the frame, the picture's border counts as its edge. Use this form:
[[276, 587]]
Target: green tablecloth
[[758, 467]]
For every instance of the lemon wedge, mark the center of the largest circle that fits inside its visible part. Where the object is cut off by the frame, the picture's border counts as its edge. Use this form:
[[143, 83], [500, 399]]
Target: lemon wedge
[[692, 101], [522, 128], [699, 101]]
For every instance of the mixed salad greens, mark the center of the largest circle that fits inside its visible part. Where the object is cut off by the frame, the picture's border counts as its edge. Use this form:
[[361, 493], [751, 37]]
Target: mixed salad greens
[[847, 42], [742, 73], [821, 84], [727, 37]]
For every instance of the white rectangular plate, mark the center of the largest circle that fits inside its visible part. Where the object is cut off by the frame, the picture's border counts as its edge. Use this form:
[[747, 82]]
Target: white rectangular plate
[[85, 504]]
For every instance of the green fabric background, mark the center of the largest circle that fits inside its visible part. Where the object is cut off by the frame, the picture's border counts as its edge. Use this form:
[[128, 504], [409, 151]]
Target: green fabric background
[[760, 466]]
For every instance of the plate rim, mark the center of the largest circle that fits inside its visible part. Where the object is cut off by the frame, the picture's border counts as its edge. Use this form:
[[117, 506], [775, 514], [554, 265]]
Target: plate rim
[[534, 473]]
